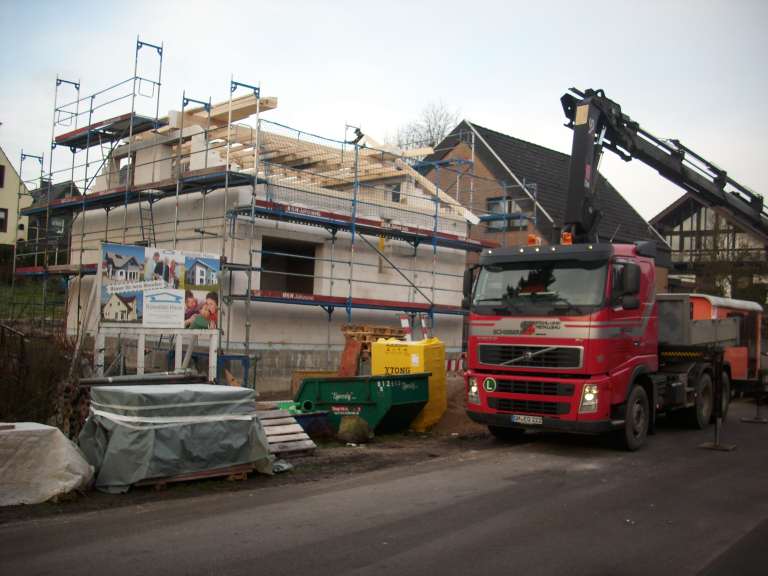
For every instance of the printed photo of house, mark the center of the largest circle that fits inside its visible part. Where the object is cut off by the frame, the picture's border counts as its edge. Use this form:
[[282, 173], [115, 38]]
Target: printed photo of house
[[201, 274], [120, 308], [122, 266]]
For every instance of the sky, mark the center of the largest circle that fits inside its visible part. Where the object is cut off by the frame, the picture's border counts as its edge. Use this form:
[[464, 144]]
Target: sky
[[690, 70]]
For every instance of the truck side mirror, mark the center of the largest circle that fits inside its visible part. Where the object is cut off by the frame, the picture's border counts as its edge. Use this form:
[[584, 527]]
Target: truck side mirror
[[630, 302], [469, 277], [631, 279]]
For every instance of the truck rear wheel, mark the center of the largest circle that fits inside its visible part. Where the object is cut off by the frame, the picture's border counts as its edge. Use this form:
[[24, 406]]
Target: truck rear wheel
[[637, 419], [506, 434], [700, 413]]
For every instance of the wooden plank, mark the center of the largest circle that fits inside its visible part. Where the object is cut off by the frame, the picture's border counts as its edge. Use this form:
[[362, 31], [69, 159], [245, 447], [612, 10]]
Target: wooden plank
[[267, 414], [242, 107], [285, 429], [237, 470], [292, 447], [279, 422], [287, 438]]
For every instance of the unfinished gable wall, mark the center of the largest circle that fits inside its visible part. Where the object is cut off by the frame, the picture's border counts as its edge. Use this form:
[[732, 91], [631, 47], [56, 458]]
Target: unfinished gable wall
[[476, 185]]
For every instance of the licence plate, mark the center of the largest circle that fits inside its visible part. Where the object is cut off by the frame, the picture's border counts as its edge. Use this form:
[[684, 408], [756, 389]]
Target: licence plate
[[522, 419]]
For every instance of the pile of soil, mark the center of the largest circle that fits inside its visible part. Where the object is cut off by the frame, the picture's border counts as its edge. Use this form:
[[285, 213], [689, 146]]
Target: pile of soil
[[455, 420]]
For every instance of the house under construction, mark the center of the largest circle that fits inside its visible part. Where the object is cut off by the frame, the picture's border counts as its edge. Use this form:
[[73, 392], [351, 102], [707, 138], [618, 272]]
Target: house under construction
[[314, 233]]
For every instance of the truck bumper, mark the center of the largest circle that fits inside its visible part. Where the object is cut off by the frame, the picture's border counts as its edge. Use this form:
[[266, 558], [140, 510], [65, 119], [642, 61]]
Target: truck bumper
[[549, 424]]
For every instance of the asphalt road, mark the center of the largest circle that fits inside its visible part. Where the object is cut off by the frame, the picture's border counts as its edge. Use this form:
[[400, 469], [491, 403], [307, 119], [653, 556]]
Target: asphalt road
[[552, 505]]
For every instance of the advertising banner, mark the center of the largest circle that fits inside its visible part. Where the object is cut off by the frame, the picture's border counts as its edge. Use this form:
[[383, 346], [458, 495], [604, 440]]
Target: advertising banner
[[158, 288]]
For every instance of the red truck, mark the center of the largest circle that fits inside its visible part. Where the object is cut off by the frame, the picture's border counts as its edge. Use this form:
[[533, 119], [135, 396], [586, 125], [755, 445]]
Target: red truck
[[572, 336]]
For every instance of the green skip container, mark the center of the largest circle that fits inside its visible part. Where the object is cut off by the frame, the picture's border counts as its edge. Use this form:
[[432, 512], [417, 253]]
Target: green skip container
[[387, 403]]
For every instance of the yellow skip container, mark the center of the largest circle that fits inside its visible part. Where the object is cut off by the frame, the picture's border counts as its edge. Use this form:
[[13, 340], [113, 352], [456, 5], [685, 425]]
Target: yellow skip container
[[392, 357]]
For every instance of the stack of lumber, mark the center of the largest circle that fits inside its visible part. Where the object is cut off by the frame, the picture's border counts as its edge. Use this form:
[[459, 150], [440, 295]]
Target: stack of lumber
[[284, 434]]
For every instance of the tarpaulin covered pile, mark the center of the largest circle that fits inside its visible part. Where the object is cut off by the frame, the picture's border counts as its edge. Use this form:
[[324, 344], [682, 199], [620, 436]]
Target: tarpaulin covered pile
[[135, 433], [37, 462]]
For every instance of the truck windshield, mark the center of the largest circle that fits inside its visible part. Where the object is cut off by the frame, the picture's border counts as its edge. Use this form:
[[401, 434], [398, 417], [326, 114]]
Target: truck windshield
[[562, 288]]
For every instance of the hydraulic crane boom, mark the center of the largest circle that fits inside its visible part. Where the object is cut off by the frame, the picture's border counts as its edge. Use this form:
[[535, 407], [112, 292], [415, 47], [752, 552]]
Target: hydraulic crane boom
[[598, 123]]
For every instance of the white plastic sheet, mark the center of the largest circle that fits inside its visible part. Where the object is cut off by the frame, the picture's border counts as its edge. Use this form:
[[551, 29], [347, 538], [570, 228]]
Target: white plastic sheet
[[37, 462]]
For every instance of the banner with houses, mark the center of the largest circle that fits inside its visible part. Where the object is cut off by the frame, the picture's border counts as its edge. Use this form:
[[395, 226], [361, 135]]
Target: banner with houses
[[158, 288]]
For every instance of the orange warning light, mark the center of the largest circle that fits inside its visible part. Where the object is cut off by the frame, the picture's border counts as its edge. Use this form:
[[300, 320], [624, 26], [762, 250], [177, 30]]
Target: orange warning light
[[534, 240], [566, 238]]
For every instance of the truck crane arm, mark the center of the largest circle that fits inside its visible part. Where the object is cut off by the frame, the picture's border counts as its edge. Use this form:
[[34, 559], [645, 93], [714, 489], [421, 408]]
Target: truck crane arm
[[598, 123]]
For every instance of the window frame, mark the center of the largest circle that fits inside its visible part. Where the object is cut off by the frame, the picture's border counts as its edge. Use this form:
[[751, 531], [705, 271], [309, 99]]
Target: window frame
[[508, 225]]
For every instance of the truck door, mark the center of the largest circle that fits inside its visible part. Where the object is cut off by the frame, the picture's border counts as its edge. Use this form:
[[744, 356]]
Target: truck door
[[624, 327]]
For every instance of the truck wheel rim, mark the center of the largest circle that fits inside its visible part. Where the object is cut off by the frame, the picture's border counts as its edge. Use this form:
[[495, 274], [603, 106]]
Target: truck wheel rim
[[638, 419]]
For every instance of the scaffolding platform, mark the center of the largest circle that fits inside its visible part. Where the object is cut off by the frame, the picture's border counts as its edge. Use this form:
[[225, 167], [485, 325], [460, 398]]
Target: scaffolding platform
[[192, 181], [336, 222], [56, 270], [329, 303], [109, 130]]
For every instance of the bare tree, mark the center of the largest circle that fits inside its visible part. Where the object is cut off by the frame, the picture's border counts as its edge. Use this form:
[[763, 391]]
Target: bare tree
[[433, 124]]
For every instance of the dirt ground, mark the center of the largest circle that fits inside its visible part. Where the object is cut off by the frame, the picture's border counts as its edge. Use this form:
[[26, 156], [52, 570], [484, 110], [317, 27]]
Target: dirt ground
[[455, 433]]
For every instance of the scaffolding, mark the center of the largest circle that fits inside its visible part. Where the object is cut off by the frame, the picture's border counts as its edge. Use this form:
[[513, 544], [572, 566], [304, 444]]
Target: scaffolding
[[217, 177], [47, 249]]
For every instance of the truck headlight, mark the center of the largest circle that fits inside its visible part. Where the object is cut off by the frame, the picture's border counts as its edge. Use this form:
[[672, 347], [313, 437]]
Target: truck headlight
[[473, 394], [589, 395]]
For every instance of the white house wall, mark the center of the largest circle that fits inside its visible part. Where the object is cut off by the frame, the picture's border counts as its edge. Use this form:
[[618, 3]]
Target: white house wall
[[278, 329]]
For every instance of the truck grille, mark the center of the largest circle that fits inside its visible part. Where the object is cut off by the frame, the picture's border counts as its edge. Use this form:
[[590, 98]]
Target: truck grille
[[537, 388], [530, 356], [530, 406]]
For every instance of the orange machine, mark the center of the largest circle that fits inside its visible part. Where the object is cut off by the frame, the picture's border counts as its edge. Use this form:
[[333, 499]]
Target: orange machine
[[743, 358]]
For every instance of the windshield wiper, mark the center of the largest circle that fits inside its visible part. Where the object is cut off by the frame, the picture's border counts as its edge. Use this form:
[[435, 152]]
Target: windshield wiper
[[507, 305], [564, 305]]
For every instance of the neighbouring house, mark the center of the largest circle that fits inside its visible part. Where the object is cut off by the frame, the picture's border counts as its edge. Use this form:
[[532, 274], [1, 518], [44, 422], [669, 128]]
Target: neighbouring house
[[13, 196], [120, 309], [48, 243], [520, 188], [200, 274], [122, 267], [715, 250]]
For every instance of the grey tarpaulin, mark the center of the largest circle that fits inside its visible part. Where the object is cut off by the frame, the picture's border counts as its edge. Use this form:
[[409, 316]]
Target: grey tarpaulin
[[140, 432]]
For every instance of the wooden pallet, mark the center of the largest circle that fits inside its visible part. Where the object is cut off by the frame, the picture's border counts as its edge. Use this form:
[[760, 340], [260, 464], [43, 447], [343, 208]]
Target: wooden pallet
[[371, 333], [239, 472], [284, 435], [367, 334]]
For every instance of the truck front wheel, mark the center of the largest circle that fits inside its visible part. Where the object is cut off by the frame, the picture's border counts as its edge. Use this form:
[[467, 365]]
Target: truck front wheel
[[637, 418]]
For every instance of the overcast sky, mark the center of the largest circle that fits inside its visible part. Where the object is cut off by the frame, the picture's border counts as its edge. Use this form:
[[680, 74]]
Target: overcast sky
[[692, 70]]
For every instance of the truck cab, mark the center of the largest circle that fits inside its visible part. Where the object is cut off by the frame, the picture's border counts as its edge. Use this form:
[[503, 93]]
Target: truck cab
[[559, 335]]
